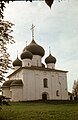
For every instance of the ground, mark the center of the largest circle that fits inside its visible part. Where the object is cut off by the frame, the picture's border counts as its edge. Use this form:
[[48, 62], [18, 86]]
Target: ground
[[49, 110]]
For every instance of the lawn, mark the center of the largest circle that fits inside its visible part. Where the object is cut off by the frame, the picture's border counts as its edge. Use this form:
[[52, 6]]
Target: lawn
[[49, 110]]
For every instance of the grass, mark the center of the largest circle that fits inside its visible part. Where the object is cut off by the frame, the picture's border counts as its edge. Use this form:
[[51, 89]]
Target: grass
[[39, 110]]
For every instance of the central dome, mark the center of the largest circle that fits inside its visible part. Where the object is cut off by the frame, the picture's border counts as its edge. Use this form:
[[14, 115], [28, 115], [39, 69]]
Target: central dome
[[35, 49]]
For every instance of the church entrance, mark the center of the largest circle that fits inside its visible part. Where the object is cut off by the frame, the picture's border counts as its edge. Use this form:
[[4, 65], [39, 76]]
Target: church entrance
[[44, 96]]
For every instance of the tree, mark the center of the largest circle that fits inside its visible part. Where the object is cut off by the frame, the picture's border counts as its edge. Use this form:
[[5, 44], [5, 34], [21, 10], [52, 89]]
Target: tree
[[75, 89], [5, 38]]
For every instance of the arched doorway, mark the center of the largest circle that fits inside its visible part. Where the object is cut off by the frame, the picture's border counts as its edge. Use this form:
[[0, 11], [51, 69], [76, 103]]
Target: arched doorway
[[44, 96]]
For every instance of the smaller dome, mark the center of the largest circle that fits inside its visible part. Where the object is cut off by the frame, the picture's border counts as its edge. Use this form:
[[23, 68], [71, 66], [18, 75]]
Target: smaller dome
[[17, 62], [26, 55], [50, 59]]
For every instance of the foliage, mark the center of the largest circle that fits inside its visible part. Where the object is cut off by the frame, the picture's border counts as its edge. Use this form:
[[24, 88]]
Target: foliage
[[68, 110], [2, 6], [5, 38], [3, 100], [75, 89]]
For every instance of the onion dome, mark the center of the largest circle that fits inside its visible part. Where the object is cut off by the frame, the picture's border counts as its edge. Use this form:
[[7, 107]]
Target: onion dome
[[26, 55], [50, 59], [17, 83], [35, 49], [17, 62]]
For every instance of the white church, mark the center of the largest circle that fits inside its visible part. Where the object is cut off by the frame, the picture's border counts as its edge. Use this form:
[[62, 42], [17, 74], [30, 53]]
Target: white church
[[31, 80]]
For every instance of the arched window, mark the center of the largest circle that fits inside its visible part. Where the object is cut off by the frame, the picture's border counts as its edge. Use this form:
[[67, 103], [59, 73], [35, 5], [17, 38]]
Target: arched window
[[45, 83], [57, 93]]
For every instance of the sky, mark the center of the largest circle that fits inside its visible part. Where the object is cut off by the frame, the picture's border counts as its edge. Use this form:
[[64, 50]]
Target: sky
[[56, 28]]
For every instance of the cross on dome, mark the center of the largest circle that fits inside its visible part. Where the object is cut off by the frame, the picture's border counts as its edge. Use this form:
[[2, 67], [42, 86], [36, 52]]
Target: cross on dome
[[32, 28]]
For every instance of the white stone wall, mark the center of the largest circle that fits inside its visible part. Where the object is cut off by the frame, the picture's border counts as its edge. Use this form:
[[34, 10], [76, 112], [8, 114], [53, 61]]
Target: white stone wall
[[29, 85], [33, 85], [18, 75], [6, 92], [26, 62], [54, 86], [36, 60], [51, 65], [63, 86], [16, 93]]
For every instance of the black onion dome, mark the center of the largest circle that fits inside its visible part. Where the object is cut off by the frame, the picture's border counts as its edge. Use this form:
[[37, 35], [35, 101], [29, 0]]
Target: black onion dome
[[50, 59], [26, 55], [35, 49], [17, 62]]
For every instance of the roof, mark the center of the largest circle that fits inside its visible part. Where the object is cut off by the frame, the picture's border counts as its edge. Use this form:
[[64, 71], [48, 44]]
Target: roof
[[10, 83], [7, 83], [36, 68], [17, 83]]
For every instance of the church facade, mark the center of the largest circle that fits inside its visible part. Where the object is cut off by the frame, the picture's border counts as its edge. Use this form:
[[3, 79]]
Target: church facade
[[31, 80]]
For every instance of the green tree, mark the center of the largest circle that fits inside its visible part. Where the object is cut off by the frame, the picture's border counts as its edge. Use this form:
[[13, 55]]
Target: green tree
[[5, 38], [75, 89]]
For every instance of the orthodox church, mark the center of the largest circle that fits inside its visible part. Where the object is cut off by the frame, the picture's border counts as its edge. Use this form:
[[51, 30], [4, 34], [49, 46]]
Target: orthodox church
[[31, 80]]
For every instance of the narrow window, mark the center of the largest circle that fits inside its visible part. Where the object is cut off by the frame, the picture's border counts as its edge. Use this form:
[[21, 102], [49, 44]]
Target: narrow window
[[45, 83], [11, 94], [57, 93], [28, 64]]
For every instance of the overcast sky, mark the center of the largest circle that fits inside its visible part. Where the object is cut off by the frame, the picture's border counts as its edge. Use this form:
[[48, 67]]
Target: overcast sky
[[56, 27]]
